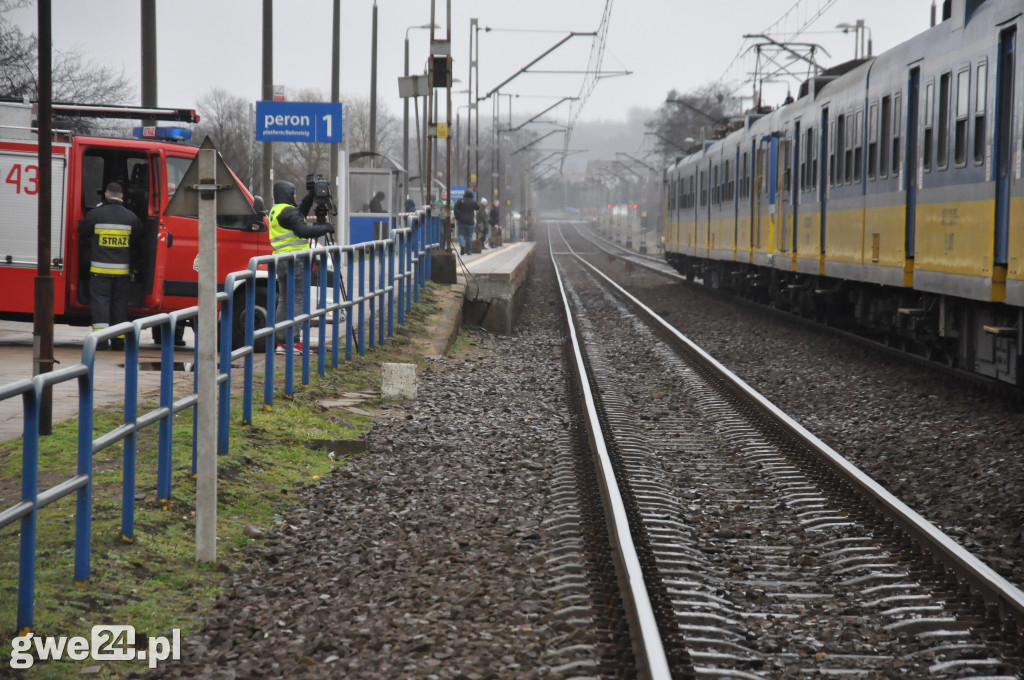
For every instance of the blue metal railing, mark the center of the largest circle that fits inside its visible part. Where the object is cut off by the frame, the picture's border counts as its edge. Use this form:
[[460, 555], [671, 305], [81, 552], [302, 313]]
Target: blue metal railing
[[397, 266]]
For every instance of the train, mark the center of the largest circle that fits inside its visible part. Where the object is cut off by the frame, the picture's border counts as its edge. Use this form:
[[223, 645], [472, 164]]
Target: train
[[887, 197]]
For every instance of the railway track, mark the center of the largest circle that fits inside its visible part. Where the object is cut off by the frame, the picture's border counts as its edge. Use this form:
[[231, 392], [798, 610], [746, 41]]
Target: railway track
[[746, 547]]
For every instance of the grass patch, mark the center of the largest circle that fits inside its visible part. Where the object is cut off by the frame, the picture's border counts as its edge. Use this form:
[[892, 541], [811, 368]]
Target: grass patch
[[155, 583]]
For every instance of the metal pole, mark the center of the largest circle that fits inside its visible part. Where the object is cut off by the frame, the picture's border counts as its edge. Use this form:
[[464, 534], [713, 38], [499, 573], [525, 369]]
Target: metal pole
[[335, 83], [474, 49], [405, 111], [268, 92], [149, 89], [206, 375], [373, 83], [448, 115], [42, 325]]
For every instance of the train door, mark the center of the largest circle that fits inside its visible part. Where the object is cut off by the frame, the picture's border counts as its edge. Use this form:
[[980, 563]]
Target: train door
[[781, 174], [773, 186], [910, 164], [794, 188], [1003, 143], [823, 142]]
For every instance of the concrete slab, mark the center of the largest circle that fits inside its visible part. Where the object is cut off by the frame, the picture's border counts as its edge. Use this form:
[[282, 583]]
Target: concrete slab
[[494, 280]]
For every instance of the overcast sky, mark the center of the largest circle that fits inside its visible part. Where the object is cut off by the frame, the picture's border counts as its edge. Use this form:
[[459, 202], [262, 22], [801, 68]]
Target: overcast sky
[[665, 44]]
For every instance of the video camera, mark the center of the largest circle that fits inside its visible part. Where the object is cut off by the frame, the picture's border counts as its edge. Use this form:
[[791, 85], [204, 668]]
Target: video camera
[[323, 201]]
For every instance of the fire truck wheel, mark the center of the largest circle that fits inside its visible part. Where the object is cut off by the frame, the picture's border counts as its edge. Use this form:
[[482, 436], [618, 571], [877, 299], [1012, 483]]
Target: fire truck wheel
[[238, 326]]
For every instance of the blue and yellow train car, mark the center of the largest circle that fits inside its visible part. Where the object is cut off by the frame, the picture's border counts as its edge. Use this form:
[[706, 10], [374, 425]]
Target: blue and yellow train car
[[888, 196]]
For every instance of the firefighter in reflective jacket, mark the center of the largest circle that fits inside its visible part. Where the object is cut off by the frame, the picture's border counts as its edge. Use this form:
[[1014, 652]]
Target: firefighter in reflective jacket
[[112, 232], [289, 232]]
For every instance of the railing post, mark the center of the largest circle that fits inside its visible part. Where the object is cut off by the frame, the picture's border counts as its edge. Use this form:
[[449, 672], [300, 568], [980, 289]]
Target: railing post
[[321, 347], [271, 345], [227, 328], [195, 407], [29, 494], [430, 248], [250, 341], [289, 334], [372, 281], [335, 253], [307, 305], [362, 301], [408, 300], [131, 415], [163, 474], [381, 300], [400, 257], [418, 264], [395, 240], [83, 506], [350, 311]]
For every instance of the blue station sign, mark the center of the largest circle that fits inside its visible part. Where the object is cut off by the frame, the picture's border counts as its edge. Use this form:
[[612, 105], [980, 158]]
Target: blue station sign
[[298, 122]]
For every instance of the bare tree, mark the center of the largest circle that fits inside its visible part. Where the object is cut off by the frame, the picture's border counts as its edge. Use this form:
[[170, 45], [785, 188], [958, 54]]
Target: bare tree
[[357, 127], [75, 78], [17, 56], [226, 119], [685, 120]]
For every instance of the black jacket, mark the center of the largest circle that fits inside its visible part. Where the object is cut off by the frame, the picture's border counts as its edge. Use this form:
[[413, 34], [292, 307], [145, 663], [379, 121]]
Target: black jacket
[[294, 219], [113, 248], [465, 209]]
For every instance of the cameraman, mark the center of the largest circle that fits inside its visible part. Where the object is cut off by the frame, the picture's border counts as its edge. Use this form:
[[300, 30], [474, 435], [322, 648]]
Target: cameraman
[[289, 232]]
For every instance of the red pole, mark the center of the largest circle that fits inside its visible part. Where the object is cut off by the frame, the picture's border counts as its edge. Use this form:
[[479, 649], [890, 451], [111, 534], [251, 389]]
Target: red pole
[[42, 326]]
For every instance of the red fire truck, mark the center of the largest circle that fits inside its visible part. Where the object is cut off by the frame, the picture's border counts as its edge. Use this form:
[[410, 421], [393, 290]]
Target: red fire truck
[[149, 169]]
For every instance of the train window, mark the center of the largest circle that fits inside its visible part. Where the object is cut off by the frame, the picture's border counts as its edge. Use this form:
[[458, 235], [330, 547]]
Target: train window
[[786, 165], [963, 94], [858, 146], [730, 184], [929, 125], [814, 158], [980, 97], [872, 139], [843, 137], [886, 132], [703, 188], [897, 115], [744, 178], [942, 152], [832, 153], [805, 161], [715, 190]]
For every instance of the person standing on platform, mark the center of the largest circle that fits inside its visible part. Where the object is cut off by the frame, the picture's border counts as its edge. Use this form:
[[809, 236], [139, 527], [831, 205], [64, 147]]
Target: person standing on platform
[[495, 224], [483, 222], [290, 233], [465, 217], [112, 232]]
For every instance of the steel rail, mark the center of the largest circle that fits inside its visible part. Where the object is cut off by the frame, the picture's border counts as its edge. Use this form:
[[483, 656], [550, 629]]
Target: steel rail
[[652, 663], [991, 586]]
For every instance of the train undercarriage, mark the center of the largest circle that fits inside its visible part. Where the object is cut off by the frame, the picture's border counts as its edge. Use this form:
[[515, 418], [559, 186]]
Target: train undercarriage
[[979, 337]]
